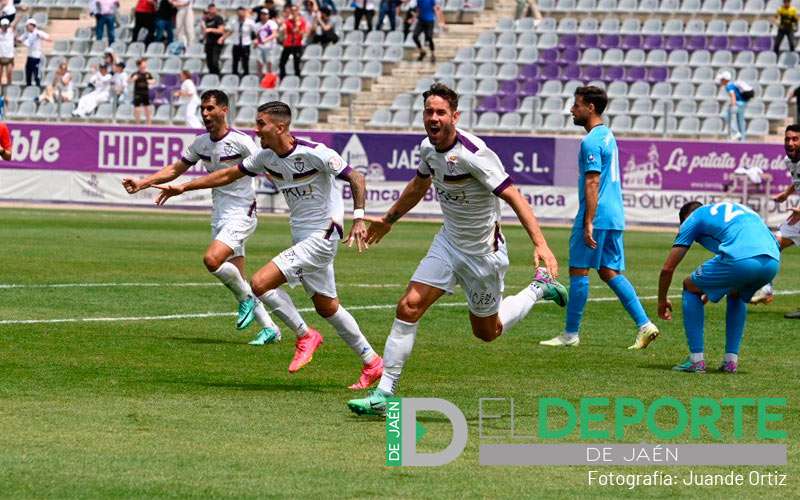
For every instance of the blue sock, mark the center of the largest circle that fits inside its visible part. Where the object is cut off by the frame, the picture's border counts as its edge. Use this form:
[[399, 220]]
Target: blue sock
[[693, 319], [578, 294], [735, 317], [627, 295]]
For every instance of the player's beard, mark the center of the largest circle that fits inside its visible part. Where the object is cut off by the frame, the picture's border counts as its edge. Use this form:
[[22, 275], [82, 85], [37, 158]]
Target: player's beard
[[578, 121]]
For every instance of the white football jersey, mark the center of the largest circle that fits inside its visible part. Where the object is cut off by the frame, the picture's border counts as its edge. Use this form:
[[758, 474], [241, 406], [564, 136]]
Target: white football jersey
[[467, 178], [794, 171], [238, 196], [307, 177]]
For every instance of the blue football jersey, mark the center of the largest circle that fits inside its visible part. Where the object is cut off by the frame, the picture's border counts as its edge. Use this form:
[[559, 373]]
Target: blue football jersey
[[730, 230], [599, 153]]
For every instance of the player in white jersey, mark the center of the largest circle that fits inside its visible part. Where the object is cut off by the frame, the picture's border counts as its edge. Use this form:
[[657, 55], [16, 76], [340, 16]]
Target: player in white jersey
[[234, 214], [306, 173], [469, 250]]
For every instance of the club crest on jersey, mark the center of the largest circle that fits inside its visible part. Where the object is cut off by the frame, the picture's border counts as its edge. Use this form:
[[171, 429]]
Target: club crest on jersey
[[228, 150], [451, 163], [299, 165]]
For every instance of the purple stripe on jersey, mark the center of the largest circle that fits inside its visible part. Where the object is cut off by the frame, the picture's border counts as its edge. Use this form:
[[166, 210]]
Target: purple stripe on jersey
[[223, 136], [252, 209], [502, 187], [229, 158], [204, 158], [305, 143], [305, 174], [472, 148], [245, 171], [186, 161], [294, 146], [345, 173], [424, 176], [339, 230], [456, 178], [275, 174]]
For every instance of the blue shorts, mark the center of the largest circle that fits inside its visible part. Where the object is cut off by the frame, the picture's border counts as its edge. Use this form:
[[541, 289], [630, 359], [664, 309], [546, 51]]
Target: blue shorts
[[717, 277], [609, 253]]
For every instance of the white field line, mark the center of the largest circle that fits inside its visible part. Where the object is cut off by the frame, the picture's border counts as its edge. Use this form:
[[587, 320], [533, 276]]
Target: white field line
[[305, 309]]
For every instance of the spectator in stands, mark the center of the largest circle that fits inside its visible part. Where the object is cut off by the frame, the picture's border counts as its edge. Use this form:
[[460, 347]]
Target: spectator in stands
[[428, 11], [241, 30], [324, 30], [387, 8], [737, 104], [60, 89], [795, 95], [214, 30], [309, 11], [144, 16], [329, 4], [101, 80], [7, 39], [786, 21], [5, 142], [184, 21], [188, 96], [409, 10], [32, 38], [142, 81], [165, 22], [105, 14], [294, 30], [119, 82], [364, 9], [8, 10], [528, 8], [109, 58], [266, 37]]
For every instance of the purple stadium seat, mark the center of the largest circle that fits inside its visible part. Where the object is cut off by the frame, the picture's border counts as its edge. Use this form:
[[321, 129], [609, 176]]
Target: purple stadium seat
[[589, 41], [571, 72], [508, 103], [740, 44], [170, 80], [718, 43], [609, 42], [489, 103], [634, 74], [159, 95], [696, 42], [612, 73], [509, 87], [530, 87], [529, 73], [761, 44], [570, 55], [652, 42], [548, 55], [591, 73], [550, 72], [657, 74], [631, 42], [567, 40], [675, 42]]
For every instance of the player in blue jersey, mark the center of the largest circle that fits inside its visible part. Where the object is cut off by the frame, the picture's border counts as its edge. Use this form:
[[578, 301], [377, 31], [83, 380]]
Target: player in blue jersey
[[596, 239], [747, 258]]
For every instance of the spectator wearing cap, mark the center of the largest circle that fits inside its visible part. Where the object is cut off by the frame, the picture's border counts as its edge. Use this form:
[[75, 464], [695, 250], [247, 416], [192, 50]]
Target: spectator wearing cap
[[101, 80], [32, 38], [241, 30], [213, 30], [786, 21], [104, 14], [324, 30], [737, 104], [364, 9], [8, 10], [142, 81], [294, 30], [144, 16], [60, 89], [165, 22], [7, 38], [184, 21], [266, 37]]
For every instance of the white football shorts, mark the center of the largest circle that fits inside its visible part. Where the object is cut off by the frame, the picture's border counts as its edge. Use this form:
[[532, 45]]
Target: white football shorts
[[233, 232], [481, 276], [790, 232], [309, 262]]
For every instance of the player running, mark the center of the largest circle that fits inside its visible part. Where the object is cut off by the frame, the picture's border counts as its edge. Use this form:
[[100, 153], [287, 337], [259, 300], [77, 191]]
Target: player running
[[306, 173], [747, 257], [233, 217], [469, 249], [596, 239]]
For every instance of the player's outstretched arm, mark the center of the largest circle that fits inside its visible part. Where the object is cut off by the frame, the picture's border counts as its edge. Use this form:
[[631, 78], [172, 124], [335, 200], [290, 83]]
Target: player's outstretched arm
[[216, 179], [541, 252], [358, 231], [410, 197], [166, 174], [783, 196], [665, 280]]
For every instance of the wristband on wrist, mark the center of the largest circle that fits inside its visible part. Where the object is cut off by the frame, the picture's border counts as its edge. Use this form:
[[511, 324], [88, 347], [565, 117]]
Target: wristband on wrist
[[358, 213]]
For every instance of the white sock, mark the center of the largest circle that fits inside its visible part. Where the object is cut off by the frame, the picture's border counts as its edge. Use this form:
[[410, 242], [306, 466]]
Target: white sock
[[396, 352], [570, 335], [515, 307], [262, 316], [696, 357], [729, 356], [230, 276], [345, 325], [280, 304]]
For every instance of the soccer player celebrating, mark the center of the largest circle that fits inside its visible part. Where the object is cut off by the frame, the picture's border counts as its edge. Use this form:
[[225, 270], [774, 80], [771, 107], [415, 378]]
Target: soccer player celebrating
[[596, 239], [469, 249], [233, 218], [307, 175], [747, 258]]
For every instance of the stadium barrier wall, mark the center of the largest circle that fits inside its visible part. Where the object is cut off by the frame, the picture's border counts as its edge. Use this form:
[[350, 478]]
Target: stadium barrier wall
[[85, 164]]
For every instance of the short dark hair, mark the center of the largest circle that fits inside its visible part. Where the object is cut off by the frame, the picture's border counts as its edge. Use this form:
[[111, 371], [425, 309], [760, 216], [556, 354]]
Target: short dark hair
[[441, 90], [278, 110], [120, 65], [687, 209], [593, 95], [794, 127], [220, 97]]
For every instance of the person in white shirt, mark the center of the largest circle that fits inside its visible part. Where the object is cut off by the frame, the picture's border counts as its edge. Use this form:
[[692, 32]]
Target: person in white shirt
[[266, 38], [242, 31], [306, 173], [184, 21], [101, 80], [60, 89], [8, 10], [32, 38], [119, 82], [188, 97], [7, 39]]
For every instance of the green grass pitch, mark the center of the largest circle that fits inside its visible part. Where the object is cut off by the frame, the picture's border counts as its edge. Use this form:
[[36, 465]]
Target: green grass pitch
[[183, 407]]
